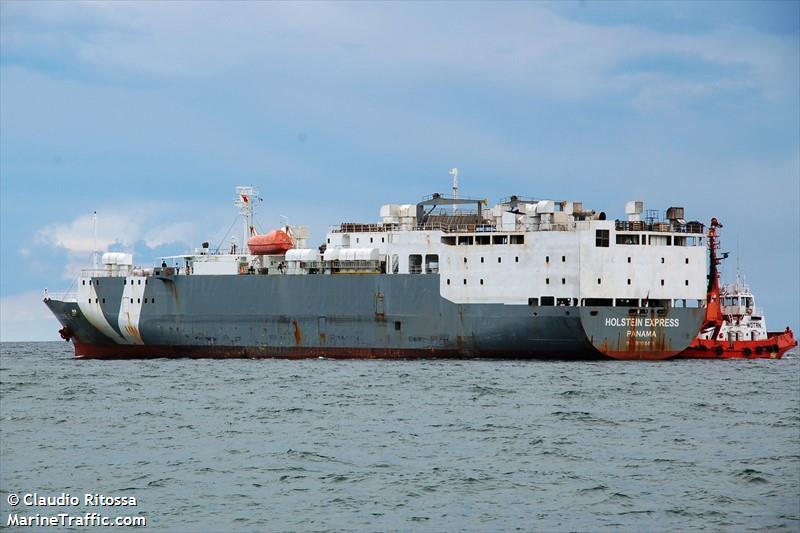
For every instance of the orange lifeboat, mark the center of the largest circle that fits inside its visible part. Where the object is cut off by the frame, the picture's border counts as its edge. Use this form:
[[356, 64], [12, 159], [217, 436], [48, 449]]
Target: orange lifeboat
[[272, 243]]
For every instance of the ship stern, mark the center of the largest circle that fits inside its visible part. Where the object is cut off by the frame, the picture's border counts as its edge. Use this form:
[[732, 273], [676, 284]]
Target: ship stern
[[641, 333]]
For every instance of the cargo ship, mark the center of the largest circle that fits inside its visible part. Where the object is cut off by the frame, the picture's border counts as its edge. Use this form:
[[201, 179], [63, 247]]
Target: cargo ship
[[447, 277], [734, 327]]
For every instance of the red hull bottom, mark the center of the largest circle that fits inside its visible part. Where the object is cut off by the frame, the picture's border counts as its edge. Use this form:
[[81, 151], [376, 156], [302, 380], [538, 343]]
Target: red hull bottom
[[123, 351], [772, 347]]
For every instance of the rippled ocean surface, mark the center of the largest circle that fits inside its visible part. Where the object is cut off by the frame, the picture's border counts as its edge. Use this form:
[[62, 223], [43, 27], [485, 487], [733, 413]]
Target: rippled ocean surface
[[320, 445]]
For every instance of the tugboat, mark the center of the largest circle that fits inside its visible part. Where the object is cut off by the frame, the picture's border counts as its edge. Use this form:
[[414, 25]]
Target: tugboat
[[734, 327]]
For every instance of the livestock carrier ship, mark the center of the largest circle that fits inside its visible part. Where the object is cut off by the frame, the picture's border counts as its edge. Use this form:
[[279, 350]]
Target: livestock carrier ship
[[445, 277]]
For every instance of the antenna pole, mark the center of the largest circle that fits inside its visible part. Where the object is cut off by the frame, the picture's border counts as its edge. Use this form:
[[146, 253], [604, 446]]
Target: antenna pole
[[454, 173], [94, 251]]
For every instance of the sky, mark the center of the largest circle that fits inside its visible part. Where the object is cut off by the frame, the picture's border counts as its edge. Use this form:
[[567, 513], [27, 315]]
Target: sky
[[150, 113]]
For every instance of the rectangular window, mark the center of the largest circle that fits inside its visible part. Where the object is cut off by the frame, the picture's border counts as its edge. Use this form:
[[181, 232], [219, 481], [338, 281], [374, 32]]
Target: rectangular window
[[465, 239], [397, 325], [432, 264], [601, 238], [483, 239], [548, 300], [499, 239], [623, 238], [450, 240], [518, 239], [533, 301], [598, 302], [415, 264]]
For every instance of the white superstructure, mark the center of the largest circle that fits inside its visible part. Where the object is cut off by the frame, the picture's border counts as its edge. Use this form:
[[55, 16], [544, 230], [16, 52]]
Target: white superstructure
[[540, 252], [743, 320]]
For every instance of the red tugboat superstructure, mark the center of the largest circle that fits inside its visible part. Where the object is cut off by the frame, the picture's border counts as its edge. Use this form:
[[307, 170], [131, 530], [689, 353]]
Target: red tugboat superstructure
[[734, 327]]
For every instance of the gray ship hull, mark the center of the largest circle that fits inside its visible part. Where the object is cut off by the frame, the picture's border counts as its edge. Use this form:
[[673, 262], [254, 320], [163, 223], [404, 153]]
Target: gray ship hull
[[357, 316]]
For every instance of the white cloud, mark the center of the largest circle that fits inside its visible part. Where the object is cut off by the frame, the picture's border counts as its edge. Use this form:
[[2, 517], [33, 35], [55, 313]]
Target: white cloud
[[528, 46], [154, 225], [24, 317]]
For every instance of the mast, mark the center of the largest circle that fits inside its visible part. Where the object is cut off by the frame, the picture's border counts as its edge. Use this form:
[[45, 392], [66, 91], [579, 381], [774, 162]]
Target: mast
[[714, 316], [94, 250], [245, 200], [454, 173]]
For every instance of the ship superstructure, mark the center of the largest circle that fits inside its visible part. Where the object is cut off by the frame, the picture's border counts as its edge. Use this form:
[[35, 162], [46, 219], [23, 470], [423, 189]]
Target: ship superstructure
[[445, 277]]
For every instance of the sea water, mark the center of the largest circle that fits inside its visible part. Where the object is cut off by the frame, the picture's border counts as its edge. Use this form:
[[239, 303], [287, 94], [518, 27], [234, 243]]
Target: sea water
[[360, 445]]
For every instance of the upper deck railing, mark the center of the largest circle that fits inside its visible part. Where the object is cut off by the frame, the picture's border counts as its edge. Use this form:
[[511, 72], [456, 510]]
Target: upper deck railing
[[665, 227]]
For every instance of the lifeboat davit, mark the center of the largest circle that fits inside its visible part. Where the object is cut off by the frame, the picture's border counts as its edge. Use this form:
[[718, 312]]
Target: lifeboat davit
[[272, 243]]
